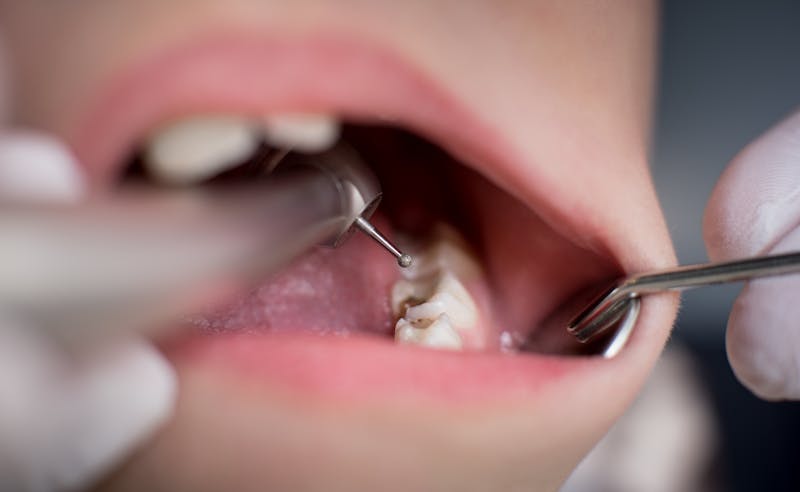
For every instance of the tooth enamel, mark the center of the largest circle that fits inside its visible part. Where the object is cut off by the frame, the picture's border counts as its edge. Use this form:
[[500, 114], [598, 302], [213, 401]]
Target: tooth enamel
[[440, 334], [433, 306], [449, 253], [406, 292], [451, 298], [199, 148], [309, 133]]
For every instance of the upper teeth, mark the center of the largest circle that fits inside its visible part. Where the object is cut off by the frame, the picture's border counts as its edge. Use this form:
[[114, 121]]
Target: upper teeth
[[302, 132], [199, 148], [433, 306]]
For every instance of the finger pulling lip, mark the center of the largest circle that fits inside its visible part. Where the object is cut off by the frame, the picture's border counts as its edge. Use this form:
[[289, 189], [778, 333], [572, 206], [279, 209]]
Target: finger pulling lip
[[350, 79]]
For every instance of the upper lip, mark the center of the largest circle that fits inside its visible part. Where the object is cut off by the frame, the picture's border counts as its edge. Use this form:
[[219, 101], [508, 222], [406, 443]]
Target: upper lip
[[247, 75]]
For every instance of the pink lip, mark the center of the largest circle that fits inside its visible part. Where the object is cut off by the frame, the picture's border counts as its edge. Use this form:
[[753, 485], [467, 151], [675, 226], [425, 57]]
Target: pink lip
[[250, 76], [367, 367], [356, 80], [253, 76]]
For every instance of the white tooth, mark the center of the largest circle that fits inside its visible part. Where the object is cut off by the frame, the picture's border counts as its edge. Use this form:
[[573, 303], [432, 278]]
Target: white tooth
[[405, 291], [405, 332], [199, 148], [440, 334], [451, 298], [309, 133], [433, 305], [448, 251]]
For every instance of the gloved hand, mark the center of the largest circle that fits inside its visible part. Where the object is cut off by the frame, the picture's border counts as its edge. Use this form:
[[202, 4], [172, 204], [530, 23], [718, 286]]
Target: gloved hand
[[67, 416], [754, 210]]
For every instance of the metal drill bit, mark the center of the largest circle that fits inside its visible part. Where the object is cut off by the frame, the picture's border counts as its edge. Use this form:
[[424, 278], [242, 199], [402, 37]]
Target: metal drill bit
[[403, 259]]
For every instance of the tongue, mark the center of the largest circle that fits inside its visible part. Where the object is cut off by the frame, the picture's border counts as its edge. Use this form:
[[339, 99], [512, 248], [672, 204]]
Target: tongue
[[327, 291]]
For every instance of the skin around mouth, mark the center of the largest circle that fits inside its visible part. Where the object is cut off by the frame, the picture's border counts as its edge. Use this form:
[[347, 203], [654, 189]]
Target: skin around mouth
[[564, 139]]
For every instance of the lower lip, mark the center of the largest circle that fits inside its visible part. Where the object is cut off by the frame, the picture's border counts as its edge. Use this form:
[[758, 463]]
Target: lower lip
[[364, 367]]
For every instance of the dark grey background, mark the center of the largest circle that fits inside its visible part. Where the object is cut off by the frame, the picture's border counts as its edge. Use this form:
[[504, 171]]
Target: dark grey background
[[729, 70]]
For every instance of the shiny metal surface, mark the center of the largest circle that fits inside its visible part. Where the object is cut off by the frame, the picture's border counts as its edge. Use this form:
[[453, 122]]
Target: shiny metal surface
[[360, 193], [608, 308], [403, 260], [359, 190], [147, 256], [144, 256]]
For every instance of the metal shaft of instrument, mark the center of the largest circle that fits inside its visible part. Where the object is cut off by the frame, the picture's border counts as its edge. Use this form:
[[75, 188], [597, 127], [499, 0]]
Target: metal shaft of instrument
[[602, 313], [403, 259], [715, 273]]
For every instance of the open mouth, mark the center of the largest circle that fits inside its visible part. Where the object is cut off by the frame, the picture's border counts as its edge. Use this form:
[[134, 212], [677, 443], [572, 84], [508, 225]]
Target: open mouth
[[442, 212], [500, 254]]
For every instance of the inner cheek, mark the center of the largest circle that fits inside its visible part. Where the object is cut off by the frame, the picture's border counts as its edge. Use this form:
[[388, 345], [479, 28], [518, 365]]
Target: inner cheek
[[532, 269]]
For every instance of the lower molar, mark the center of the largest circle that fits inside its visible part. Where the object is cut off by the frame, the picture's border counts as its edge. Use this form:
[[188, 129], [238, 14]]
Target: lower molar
[[433, 306]]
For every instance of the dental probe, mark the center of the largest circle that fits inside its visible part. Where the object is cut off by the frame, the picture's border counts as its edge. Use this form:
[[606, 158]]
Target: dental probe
[[622, 298], [145, 257]]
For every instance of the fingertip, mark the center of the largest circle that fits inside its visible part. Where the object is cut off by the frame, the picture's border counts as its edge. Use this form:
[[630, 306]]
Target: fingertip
[[66, 418], [121, 395], [763, 342], [38, 167], [757, 199]]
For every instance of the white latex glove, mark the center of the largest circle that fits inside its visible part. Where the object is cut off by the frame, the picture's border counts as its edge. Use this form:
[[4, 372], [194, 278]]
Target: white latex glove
[[754, 210], [67, 417]]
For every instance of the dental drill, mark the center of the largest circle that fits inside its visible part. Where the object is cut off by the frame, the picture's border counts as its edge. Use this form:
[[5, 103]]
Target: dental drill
[[145, 257]]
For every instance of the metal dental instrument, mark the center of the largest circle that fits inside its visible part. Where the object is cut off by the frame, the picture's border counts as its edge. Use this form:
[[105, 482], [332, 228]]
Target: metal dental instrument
[[403, 260], [345, 164], [363, 193], [615, 305], [148, 256]]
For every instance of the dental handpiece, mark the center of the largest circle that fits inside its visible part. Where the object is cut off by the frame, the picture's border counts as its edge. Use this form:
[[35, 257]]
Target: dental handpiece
[[145, 257], [361, 194]]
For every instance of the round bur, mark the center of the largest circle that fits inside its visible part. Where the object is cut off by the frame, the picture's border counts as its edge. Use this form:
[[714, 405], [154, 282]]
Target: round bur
[[403, 259]]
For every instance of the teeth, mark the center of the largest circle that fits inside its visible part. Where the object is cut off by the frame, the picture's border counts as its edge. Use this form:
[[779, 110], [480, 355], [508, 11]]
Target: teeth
[[433, 306], [198, 148], [450, 297], [309, 133], [448, 252], [440, 334]]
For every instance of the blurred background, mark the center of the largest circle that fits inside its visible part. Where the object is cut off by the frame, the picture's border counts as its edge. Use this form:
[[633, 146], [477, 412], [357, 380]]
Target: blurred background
[[728, 71]]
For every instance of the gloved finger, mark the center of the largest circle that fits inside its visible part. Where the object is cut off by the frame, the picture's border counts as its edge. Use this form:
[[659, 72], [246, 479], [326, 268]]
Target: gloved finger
[[763, 338], [66, 417], [757, 200], [33, 165], [37, 167], [755, 209], [65, 420]]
